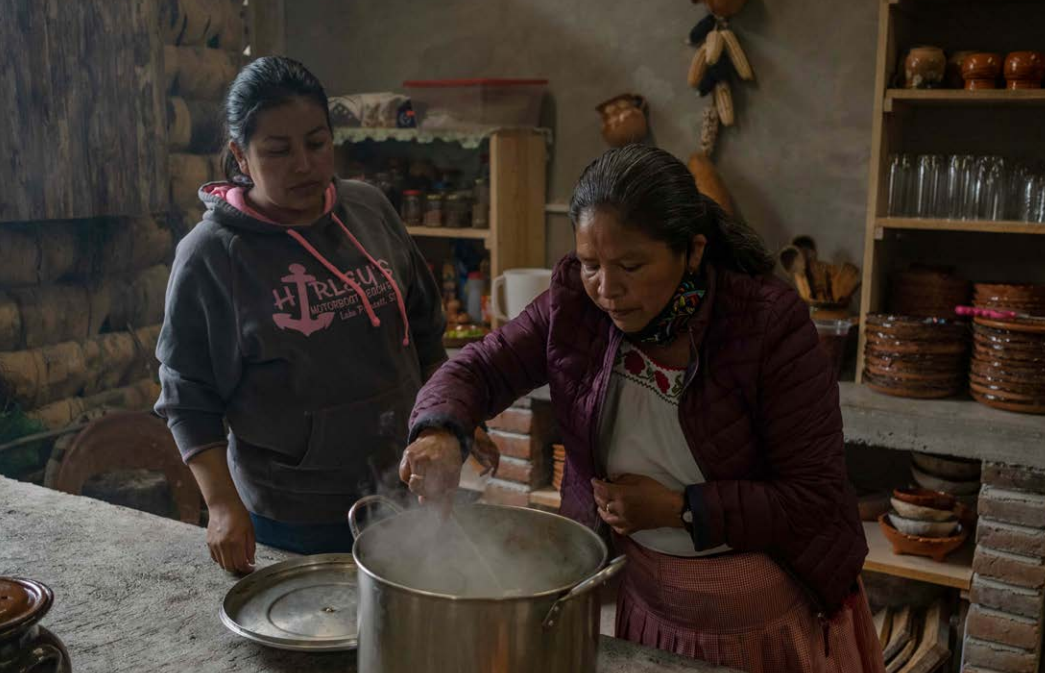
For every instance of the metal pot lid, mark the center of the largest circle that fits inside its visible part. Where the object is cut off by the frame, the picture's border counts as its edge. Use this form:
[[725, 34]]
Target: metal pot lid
[[22, 603], [305, 604]]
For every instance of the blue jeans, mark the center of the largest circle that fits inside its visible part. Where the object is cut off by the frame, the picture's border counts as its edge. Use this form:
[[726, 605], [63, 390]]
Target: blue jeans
[[303, 538]]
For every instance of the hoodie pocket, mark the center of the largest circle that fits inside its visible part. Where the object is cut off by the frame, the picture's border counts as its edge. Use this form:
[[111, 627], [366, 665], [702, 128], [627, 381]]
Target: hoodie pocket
[[365, 437]]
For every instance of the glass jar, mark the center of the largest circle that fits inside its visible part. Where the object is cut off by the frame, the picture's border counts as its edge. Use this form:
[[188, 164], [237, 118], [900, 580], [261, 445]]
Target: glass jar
[[458, 210], [481, 205], [434, 210], [413, 208]]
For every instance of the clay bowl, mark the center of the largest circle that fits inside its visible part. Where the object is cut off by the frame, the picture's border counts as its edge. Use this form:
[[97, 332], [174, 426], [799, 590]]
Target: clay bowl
[[920, 528], [1013, 291], [1006, 405], [936, 548], [889, 386], [981, 70], [916, 328], [923, 497], [932, 483], [885, 345], [1015, 392], [1024, 69], [918, 513], [915, 377], [953, 469]]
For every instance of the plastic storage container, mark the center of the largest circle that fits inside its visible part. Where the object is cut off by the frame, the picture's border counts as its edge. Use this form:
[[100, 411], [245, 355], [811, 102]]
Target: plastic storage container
[[467, 103]]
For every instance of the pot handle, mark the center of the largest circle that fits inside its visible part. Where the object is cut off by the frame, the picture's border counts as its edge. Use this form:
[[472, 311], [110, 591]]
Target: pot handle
[[588, 585], [365, 502]]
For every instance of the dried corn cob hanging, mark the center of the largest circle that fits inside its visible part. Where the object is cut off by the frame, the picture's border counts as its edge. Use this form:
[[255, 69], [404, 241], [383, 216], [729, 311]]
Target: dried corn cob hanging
[[718, 56]]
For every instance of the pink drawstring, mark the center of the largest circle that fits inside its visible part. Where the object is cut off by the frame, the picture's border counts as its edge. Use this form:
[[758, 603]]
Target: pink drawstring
[[387, 274], [340, 274]]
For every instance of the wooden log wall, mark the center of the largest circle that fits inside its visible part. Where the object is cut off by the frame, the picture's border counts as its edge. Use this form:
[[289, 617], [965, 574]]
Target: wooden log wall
[[82, 109], [82, 293], [204, 43]]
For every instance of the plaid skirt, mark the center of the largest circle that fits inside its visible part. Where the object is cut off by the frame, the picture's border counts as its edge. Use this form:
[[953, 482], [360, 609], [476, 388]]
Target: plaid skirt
[[740, 610]]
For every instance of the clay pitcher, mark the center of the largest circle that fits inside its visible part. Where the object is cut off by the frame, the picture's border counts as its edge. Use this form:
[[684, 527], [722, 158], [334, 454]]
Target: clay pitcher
[[624, 119]]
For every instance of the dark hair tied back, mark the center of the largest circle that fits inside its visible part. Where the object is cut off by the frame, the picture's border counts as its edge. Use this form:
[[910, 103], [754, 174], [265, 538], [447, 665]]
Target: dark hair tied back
[[650, 189], [263, 84]]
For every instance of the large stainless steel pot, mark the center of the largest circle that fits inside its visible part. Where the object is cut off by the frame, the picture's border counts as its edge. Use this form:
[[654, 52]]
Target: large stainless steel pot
[[492, 589]]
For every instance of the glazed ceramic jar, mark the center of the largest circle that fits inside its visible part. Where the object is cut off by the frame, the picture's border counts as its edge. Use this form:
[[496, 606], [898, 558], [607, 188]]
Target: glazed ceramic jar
[[924, 68], [1024, 69], [981, 70]]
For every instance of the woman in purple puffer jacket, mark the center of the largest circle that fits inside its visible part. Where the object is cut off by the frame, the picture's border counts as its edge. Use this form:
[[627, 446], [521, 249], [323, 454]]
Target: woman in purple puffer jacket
[[701, 424]]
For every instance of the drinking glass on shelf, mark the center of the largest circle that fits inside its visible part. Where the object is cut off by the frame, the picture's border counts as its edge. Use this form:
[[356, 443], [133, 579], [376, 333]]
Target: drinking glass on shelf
[[899, 181], [925, 184], [1029, 197], [993, 188], [964, 207], [1017, 179]]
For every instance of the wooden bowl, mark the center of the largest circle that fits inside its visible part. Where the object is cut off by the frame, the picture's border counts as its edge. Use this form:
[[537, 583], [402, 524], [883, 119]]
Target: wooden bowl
[[954, 469], [981, 70], [937, 548], [923, 497]]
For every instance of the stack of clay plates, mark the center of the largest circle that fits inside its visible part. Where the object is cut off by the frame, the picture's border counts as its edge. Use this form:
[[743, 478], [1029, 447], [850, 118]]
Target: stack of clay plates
[[926, 292], [915, 357], [558, 462], [1007, 370], [1027, 299]]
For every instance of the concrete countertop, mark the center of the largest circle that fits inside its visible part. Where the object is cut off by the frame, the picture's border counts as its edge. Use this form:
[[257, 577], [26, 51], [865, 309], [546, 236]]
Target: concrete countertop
[[135, 592]]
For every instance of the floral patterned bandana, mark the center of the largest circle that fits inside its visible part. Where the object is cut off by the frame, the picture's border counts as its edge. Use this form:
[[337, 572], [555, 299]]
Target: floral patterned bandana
[[675, 316]]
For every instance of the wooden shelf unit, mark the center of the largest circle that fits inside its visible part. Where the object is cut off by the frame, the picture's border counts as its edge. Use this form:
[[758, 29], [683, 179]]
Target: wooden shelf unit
[[984, 226], [949, 121], [447, 232], [961, 97], [518, 159]]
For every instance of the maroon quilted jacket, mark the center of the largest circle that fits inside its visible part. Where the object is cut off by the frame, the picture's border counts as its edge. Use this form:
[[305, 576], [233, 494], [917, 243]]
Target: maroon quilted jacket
[[760, 411]]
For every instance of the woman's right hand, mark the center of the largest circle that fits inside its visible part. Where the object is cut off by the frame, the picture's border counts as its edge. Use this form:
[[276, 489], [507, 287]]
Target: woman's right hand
[[230, 536], [431, 466]]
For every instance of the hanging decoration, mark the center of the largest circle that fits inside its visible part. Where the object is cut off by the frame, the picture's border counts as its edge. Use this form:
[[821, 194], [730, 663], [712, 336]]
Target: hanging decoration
[[718, 58]]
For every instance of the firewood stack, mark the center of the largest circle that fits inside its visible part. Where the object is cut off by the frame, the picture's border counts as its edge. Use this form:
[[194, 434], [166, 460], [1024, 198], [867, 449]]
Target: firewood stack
[[81, 302], [204, 43]]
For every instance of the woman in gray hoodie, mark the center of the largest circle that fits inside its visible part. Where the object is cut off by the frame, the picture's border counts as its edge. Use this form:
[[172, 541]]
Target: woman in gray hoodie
[[299, 313]]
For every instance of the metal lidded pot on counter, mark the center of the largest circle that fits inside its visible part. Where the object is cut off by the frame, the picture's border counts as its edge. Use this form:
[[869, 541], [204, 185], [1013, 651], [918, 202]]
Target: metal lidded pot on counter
[[488, 588]]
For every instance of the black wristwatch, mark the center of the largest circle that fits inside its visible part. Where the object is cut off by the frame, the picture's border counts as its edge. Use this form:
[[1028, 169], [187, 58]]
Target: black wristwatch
[[686, 515]]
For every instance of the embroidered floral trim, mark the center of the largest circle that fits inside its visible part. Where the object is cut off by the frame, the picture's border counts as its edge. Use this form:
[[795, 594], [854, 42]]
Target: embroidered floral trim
[[635, 366]]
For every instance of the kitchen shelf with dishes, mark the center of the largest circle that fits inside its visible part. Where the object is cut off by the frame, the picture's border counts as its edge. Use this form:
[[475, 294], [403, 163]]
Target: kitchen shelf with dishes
[[956, 195], [473, 199]]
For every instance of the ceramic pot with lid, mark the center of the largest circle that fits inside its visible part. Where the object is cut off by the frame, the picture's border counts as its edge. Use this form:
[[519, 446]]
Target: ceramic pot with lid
[[488, 588], [25, 646]]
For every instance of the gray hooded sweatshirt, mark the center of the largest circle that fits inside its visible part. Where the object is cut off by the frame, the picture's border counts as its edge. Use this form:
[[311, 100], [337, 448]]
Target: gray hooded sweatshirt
[[310, 342]]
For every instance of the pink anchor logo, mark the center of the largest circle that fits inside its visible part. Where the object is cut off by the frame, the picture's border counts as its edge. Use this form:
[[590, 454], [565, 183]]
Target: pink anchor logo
[[306, 324]]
